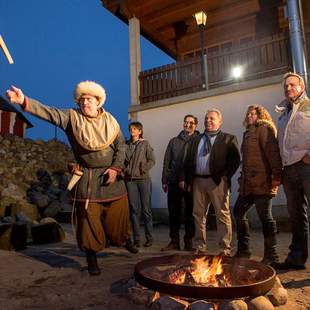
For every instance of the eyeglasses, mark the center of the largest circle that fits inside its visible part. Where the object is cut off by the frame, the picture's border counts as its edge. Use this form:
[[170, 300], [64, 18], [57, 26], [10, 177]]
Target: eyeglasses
[[189, 123]]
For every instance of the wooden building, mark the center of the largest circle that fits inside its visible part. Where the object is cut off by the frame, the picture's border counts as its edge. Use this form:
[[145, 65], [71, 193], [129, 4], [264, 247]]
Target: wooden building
[[12, 121], [251, 34]]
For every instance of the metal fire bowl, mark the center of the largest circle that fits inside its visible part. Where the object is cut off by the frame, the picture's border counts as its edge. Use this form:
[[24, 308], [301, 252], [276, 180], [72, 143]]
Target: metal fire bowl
[[150, 273]]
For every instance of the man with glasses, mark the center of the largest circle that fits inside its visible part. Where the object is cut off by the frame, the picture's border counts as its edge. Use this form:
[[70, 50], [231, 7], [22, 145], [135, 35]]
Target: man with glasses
[[294, 143], [172, 162]]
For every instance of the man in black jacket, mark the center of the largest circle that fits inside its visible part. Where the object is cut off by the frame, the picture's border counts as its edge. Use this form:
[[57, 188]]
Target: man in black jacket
[[211, 160], [172, 161]]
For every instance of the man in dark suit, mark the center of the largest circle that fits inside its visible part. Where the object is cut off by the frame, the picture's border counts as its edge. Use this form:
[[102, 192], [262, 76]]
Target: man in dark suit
[[211, 160]]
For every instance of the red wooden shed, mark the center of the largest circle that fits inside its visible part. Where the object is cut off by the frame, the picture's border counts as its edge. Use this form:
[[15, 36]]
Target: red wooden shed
[[12, 121]]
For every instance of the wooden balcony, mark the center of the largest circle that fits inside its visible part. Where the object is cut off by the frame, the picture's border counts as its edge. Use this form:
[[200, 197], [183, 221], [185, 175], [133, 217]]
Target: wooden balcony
[[259, 59]]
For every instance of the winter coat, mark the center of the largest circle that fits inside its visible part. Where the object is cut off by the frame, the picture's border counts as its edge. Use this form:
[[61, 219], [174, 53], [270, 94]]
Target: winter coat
[[260, 160], [174, 156], [139, 159], [294, 129], [93, 163], [224, 159]]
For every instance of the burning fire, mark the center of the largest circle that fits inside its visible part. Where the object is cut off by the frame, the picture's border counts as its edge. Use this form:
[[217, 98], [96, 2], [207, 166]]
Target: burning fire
[[202, 271]]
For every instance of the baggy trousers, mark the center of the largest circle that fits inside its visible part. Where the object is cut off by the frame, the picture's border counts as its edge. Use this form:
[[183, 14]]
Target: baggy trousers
[[101, 221]]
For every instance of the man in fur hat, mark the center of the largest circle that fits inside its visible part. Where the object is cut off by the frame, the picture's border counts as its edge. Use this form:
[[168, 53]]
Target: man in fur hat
[[98, 145]]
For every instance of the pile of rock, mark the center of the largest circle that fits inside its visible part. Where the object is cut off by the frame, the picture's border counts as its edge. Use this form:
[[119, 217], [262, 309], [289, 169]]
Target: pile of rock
[[33, 181], [140, 295]]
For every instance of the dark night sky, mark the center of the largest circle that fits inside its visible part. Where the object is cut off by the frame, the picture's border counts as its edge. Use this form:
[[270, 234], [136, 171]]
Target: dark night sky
[[56, 44]]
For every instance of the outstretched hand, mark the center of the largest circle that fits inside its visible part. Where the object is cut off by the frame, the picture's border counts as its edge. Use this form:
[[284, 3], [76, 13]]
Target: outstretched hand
[[15, 95]]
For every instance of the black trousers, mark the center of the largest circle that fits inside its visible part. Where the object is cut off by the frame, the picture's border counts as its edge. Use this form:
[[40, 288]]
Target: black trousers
[[175, 197]]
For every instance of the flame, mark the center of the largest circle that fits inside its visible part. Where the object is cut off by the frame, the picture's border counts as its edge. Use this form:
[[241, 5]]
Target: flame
[[203, 271], [177, 277]]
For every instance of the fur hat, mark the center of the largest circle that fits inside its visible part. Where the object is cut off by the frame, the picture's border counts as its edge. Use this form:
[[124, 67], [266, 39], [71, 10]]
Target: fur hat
[[90, 88]]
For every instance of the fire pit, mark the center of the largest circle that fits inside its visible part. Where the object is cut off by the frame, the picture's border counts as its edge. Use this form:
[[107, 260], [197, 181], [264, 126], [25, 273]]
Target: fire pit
[[205, 277]]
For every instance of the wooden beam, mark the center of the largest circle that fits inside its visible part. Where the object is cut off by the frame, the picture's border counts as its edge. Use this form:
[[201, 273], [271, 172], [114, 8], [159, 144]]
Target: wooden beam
[[216, 16], [218, 35], [6, 51], [178, 11]]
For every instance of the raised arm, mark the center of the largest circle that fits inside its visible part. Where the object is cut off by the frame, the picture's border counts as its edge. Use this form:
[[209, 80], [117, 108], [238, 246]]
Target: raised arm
[[55, 116]]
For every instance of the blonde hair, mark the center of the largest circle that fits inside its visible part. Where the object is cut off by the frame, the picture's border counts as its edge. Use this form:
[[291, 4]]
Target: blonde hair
[[262, 115]]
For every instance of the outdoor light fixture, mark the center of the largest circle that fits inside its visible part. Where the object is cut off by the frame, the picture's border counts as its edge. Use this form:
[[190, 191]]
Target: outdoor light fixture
[[201, 20], [237, 72]]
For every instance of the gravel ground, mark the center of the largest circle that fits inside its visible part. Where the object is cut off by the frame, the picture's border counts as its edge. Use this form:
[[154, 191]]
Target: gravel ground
[[54, 276]]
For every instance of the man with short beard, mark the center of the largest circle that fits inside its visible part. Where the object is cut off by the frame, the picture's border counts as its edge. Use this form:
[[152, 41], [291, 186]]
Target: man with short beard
[[294, 143], [212, 158], [172, 161]]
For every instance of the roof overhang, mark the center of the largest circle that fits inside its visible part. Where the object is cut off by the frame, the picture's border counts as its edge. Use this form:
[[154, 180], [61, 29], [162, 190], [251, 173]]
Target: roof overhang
[[170, 24]]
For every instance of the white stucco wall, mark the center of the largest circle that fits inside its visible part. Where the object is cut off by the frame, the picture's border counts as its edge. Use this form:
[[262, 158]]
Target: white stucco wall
[[162, 123]]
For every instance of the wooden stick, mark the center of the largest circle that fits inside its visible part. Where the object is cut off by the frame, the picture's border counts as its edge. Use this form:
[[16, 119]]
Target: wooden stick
[[6, 51]]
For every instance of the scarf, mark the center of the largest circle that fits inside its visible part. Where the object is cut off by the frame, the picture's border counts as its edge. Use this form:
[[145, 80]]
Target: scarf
[[94, 133], [207, 145]]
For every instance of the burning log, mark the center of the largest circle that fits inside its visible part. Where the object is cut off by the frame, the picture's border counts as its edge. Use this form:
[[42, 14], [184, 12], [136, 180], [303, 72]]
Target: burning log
[[177, 276]]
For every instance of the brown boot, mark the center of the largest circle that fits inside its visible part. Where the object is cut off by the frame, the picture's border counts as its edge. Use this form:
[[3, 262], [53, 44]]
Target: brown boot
[[271, 256]]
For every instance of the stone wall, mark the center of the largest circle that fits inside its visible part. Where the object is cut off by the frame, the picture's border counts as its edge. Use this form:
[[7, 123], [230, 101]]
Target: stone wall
[[33, 177]]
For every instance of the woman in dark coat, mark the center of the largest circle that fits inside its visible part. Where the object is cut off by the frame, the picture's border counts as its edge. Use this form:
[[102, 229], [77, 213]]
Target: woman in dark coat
[[138, 162], [259, 180]]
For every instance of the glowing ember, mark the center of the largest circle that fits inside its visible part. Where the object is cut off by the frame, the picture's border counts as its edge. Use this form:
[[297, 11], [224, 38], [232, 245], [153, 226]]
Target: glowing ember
[[177, 277], [202, 271]]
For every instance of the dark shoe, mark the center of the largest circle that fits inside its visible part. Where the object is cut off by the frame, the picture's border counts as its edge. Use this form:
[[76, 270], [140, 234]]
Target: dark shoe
[[270, 260], [148, 243], [137, 243], [201, 251], [130, 247], [93, 268], [171, 246], [188, 245], [287, 266], [243, 253], [189, 248]]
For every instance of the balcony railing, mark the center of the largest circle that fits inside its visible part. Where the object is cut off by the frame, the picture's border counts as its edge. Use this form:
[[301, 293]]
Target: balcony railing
[[261, 58]]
